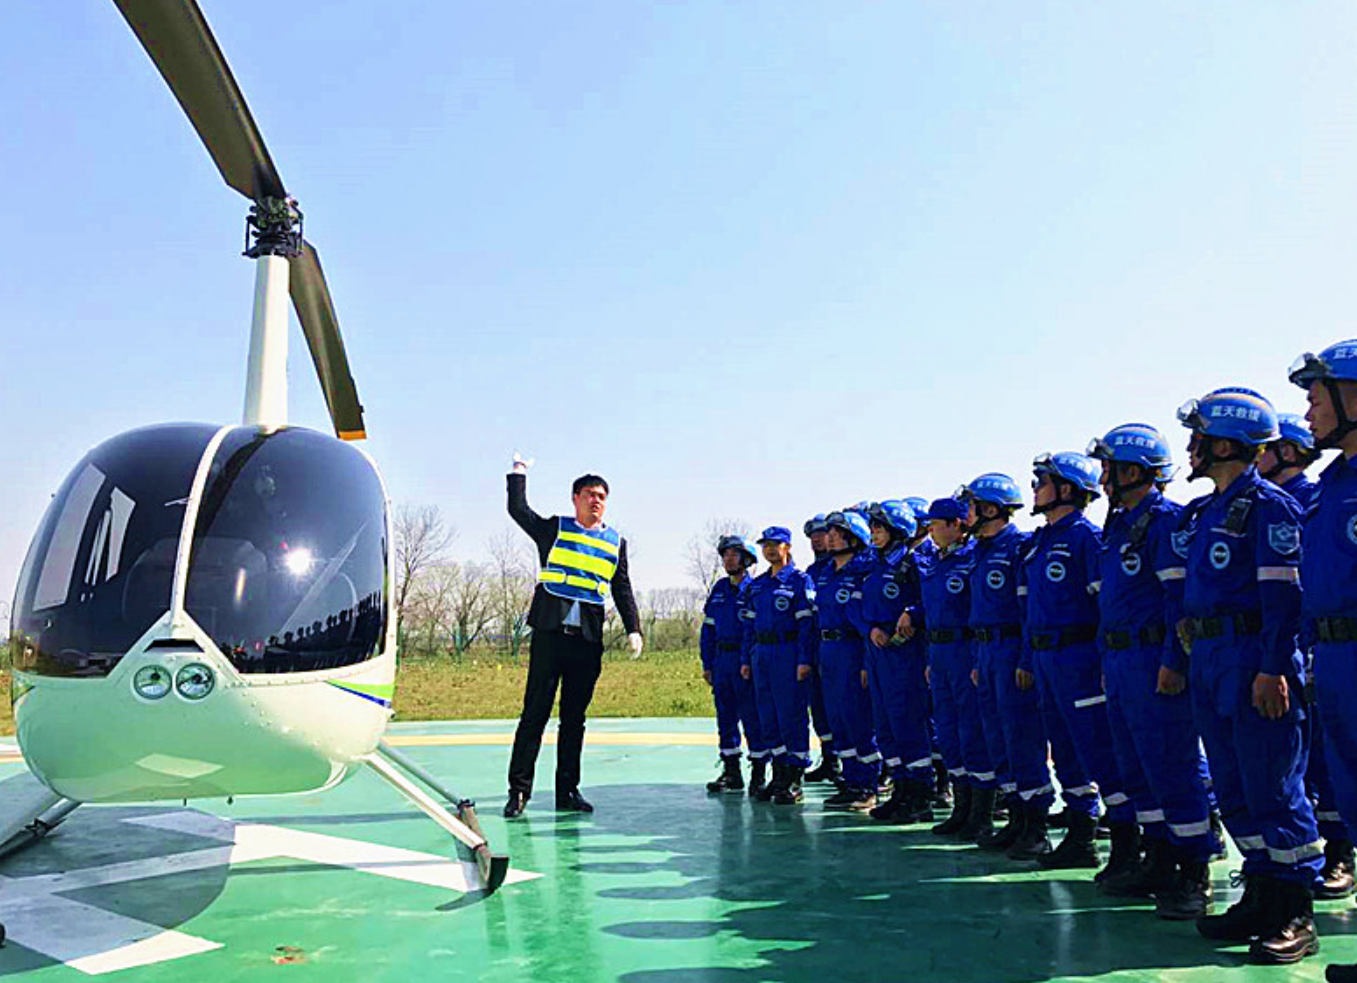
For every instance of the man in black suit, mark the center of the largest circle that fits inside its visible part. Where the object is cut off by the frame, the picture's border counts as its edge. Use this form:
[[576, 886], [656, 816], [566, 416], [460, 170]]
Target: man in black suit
[[583, 563]]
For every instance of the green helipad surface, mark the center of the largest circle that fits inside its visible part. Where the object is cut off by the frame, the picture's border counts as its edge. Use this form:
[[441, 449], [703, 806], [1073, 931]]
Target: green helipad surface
[[663, 884]]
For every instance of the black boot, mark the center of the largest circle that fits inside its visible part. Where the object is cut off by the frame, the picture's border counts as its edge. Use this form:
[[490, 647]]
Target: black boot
[[1125, 857], [828, 768], [979, 822], [1341, 973], [917, 804], [758, 781], [1288, 935], [892, 809], [790, 792], [1189, 897], [1006, 835], [1337, 873], [730, 779], [1242, 920], [1032, 843], [766, 793], [1076, 850], [885, 783], [1157, 872], [942, 786], [961, 811]]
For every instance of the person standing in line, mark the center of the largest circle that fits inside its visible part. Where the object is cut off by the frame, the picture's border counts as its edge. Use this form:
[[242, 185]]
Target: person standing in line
[[828, 770], [583, 563]]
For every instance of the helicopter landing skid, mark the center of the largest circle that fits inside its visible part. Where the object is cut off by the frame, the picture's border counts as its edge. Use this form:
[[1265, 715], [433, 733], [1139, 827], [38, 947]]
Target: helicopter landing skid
[[392, 766], [31, 811]]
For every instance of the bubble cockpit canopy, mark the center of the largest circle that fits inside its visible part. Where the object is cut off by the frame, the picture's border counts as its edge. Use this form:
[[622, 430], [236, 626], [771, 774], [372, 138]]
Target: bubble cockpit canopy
[[287, 567]]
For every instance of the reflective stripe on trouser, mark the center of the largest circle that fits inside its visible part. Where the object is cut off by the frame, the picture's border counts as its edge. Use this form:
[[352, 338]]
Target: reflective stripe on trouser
[[899, 694], [1073, 702], [991, 725], [1158, 752], [781, 701], [850, 711], [1319, 781], [818, 714], [736, 708], [1020, 716], [1257, 765], [1335, 677], [956, 712]]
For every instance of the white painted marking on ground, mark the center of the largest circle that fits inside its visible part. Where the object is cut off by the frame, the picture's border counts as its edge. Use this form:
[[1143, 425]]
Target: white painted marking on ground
[[95, 941]]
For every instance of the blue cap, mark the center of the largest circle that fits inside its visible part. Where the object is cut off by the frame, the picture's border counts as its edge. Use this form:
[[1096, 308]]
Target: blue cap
[[947, 508], [776, 534]]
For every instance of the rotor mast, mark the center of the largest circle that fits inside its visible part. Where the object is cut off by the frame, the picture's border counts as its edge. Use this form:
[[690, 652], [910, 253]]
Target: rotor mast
[[273, 240]]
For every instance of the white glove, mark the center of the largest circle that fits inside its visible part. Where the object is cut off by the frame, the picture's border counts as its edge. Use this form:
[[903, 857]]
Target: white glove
[[636, 643], [521, 466]]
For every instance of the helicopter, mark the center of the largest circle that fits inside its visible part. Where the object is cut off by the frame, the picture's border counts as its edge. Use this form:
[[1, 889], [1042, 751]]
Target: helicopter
[[207, 611]]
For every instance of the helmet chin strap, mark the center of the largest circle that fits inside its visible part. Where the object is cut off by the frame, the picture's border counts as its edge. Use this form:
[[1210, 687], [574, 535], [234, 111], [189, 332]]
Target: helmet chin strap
[[1343, 427], [981, 518], [1060, 485], [1210, 458], [1116, 490]]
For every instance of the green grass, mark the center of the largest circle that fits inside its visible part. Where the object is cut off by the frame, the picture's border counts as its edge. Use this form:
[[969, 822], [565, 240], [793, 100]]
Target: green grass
[[660, 684]]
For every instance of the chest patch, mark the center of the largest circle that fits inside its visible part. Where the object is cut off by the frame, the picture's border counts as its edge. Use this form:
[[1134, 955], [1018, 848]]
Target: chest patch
[[1350, 527], [891, 590], [1130, 562], [782, 603], [842, 595], [1055, 571], [995, 579], [955, 585], [1220, 555]]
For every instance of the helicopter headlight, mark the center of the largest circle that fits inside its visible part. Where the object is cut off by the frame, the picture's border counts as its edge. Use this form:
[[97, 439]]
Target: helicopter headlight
[[194, 681], [151, 682]]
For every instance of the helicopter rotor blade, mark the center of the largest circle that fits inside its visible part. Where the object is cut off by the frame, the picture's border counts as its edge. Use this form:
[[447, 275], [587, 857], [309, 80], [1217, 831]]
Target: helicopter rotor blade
[[176, 36], [311, 297]]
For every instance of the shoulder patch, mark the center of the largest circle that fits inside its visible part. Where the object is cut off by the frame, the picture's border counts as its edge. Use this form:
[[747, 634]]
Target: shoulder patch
[[1180, 541], [1283, 537]]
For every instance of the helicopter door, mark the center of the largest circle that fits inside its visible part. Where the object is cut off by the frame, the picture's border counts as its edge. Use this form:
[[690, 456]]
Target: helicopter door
[[288, 566], [100, 569]]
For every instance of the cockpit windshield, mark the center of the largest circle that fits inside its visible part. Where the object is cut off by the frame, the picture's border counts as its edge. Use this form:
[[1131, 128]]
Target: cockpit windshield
[[100, 569], [287, 571]]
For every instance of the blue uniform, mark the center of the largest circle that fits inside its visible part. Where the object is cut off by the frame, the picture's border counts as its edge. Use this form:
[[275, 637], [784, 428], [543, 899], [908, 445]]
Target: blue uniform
[[1158, 751], [895, 672], [1329, 573], [1060, 577], [815, 689], [1011, 717], [946, 597], [838, 594], [721, 642], [779, 635], [1242, 598]]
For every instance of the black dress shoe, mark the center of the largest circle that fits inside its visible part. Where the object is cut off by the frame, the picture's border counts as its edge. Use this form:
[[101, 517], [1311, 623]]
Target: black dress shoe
[[518, 801], [572, 801]]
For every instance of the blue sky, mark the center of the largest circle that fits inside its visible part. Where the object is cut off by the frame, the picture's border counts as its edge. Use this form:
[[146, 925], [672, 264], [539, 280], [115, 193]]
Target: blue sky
[[752, 260]]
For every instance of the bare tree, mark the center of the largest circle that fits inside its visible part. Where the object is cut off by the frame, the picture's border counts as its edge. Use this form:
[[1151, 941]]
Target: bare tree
[[701, 563], [512, 576], [422, 541], [448, 609]]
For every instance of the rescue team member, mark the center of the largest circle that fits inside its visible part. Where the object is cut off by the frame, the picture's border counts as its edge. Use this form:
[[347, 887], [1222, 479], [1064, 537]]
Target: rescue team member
[[817, 531], [778, 654], [1241, 601], [895, 664], [1010, 716], [1156, 745], [923, 552], [583, 562], [837, 592], [1284, 462], [1329, 571], [1060, 576], [720, 644], [946, 601]]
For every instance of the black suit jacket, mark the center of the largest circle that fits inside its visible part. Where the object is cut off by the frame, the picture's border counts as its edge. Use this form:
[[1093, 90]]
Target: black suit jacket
[[548, 612]]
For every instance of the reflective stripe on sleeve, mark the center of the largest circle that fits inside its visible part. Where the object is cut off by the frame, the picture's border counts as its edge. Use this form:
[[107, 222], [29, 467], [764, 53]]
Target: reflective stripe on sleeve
[[1285, 575], [1091, 701], [1172, 573]]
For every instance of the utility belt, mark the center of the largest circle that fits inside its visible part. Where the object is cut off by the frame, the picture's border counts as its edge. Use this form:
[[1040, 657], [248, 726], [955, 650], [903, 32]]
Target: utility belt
[[996, 633], [835, 635], [775, 637], [1249, 623], [945, 636], [1043, 641], [1120, 639], [728, 646], [1336, 629]]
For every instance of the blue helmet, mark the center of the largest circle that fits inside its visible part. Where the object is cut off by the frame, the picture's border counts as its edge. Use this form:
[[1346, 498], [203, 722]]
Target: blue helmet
[[1080, 471], [1293, 428], [738, 543], [1135, 443], [1233, 413], [919, 506], [815, 523], [853, 523], [1337, 363], [894, 514], [992, 487]]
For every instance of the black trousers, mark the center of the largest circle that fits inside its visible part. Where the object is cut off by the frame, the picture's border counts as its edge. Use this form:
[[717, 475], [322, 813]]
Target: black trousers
[[555, 658]]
